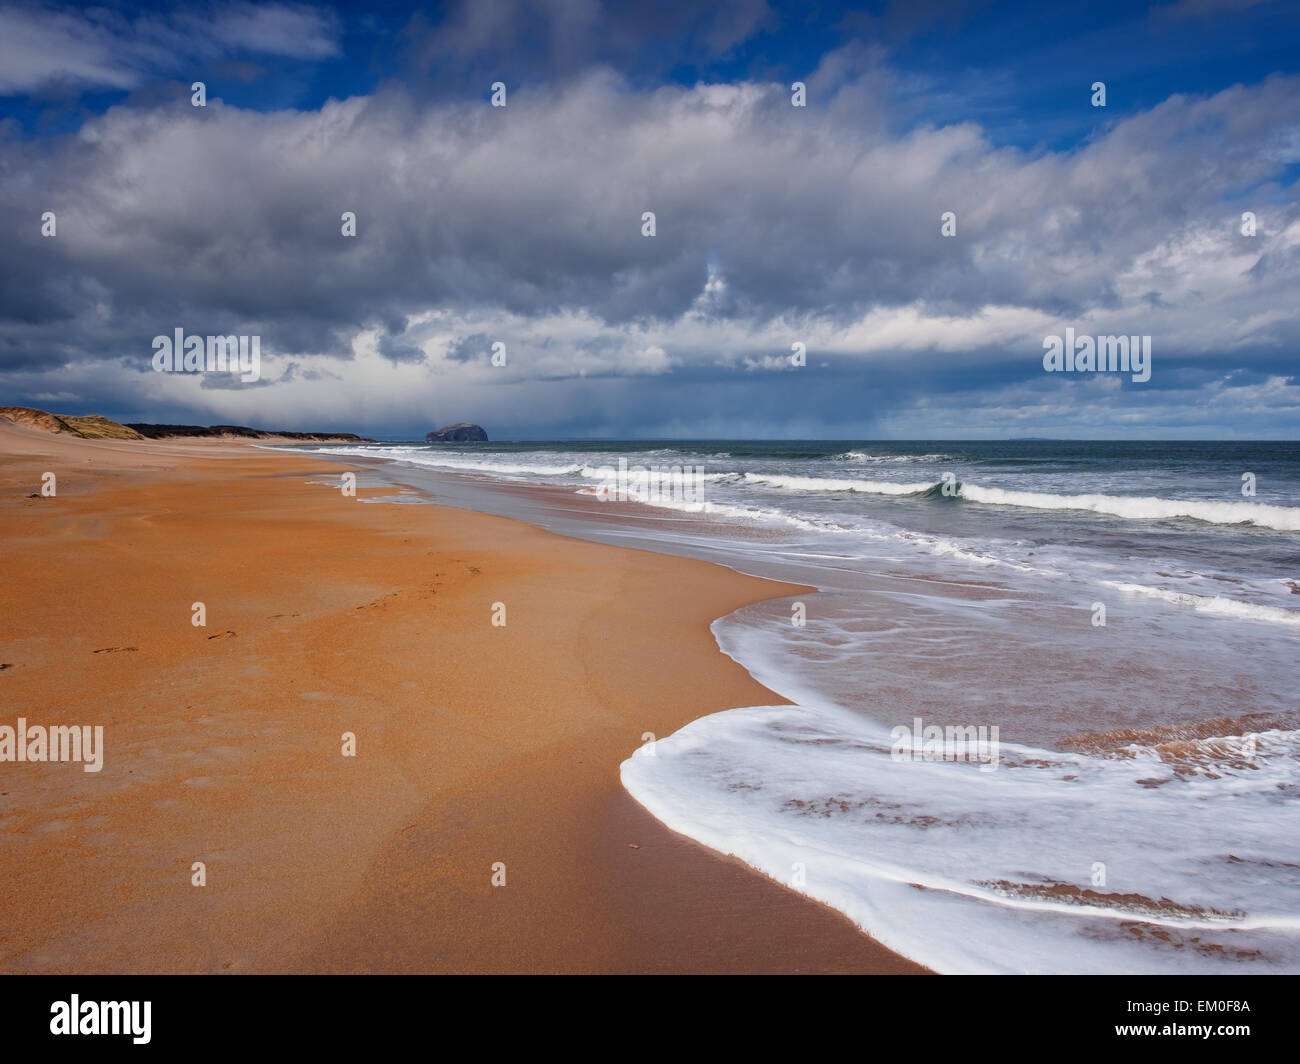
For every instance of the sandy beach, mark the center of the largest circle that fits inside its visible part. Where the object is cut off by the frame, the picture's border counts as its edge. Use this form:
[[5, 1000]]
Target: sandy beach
[[477, 745]]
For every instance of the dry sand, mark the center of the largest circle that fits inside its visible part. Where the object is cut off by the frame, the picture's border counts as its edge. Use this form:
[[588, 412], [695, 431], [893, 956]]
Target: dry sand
[[475, 744]]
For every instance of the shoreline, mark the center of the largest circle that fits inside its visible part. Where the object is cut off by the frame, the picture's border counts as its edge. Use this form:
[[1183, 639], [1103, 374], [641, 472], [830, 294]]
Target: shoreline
[[469, 751]]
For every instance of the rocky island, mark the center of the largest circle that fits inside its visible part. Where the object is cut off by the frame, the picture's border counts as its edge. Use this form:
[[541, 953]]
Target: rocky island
[[461, 432]]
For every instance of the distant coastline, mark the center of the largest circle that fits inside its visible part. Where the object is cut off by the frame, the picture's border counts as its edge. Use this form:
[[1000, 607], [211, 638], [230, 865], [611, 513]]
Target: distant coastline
[[96, 427]]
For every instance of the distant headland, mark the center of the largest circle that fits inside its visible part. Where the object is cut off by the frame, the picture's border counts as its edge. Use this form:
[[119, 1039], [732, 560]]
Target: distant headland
[[95, 427]]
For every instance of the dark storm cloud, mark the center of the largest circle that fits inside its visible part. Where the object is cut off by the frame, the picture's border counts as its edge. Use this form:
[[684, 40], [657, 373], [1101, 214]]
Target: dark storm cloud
[[524, 224], [474, 348], [395, 349]]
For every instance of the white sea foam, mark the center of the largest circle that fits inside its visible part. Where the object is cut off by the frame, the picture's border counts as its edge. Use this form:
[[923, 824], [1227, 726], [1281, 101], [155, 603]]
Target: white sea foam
[[877, 531], [1145, 508], [420, 456], [767, 511], [889, 459], [962, 870], [967, 871], [873, 487], [1132, 507], [1214, 604]]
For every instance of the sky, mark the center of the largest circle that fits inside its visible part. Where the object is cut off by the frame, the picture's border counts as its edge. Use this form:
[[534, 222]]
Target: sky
[[881, 253]]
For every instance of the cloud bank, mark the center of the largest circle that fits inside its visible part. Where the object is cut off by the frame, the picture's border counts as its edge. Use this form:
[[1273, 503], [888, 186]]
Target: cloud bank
[[774, 225]]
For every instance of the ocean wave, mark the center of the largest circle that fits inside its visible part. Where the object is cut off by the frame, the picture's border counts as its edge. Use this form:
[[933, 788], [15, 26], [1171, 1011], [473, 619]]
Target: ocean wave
[[420, 456], [871, 487], [968, 871], [889, 459], [1144, 507], [1131, 507], [1215, 604], [925, 542]]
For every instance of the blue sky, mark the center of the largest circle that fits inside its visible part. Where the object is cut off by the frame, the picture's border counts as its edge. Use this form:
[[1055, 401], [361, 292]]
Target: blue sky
[[1012, 67], [775, 225]]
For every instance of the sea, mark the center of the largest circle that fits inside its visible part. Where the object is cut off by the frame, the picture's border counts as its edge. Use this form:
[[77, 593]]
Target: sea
[[1044, 710]]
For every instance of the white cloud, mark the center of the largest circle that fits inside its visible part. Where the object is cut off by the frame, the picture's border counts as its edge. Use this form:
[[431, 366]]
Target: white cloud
[[95, 48], [775, 225]]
